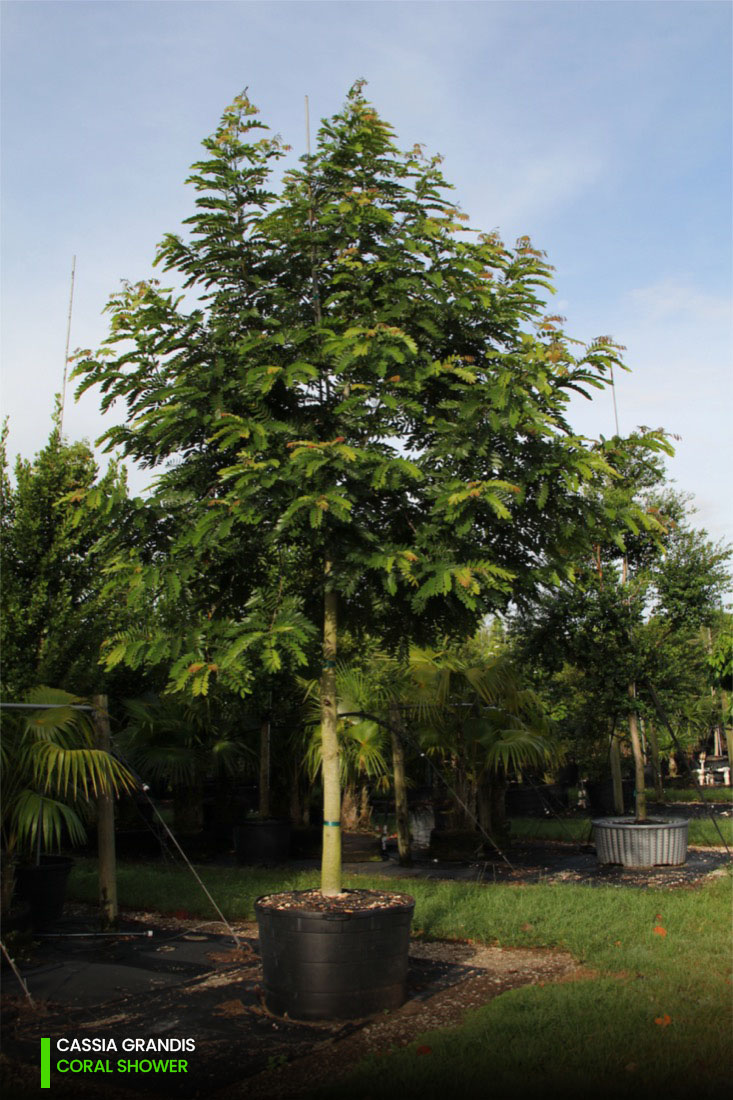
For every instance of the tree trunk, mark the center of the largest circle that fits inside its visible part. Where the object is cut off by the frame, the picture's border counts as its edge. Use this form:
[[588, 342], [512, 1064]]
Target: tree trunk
[[638, 759], [728, 729], [331, 859], [365, 809], [296, 803], [264, 805], [491, 806], [400, 791], [463, 812], [349, 808], [7, 883], [105, 824], [656, 763], [616, 777]]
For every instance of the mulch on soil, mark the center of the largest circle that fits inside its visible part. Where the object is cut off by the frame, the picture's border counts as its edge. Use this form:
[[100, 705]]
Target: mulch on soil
[[349, 901]]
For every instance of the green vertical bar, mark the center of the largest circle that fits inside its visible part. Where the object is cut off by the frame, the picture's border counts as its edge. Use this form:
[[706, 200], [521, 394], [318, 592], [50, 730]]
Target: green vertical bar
[[45, 1063]]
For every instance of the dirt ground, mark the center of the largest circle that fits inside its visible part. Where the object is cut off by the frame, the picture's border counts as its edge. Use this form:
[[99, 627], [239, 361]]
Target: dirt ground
[[177, 978]]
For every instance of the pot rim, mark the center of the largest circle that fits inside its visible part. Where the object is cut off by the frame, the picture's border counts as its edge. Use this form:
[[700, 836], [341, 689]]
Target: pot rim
[[398, 903], [631, 823]]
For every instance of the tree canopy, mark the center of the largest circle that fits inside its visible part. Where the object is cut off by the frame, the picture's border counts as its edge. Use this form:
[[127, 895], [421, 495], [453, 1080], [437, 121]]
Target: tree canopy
[[350, 375], [357, 409], [54, 617]]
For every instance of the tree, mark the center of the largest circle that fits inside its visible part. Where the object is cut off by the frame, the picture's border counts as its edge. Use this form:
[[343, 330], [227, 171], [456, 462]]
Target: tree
[[631, 625], [720, 671], [470, 709], [50, 767], [54, 618], [362, 397], [181, 742]]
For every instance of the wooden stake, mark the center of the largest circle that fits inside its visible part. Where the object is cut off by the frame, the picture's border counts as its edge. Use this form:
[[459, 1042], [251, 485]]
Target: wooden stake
[[400, 790], [265, 768], [105, 825]]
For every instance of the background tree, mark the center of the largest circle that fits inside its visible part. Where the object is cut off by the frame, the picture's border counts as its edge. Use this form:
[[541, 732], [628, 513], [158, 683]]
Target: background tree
[[473, 713], [720, 671], [634, 617], [354, 384], [51, 770], [54, 617], [183, 741]]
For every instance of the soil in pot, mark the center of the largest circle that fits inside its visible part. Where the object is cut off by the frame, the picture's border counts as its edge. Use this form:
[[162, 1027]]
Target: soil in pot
[[334, 958]]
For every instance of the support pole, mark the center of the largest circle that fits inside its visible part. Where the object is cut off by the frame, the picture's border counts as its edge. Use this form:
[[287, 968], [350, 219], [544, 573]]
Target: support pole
[[105, 825], [638, 757], [331, 858], [400, 790], [264, 804], [616, 776], [66, 354]]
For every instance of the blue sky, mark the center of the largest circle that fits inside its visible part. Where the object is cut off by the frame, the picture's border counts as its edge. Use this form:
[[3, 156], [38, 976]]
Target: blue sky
[[601, 129]]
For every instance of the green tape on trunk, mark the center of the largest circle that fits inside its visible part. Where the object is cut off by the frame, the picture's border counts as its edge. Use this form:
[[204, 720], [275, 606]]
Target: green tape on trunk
[[333, 824]]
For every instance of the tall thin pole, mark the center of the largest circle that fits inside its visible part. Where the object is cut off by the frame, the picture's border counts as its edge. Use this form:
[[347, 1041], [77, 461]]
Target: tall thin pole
[[615, 409], [307, 127], [105, 823], [68, 337]]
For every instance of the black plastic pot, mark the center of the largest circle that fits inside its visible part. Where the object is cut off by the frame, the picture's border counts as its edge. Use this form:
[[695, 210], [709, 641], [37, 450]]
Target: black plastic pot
[[264, 842], [43, 887], [334, 965]]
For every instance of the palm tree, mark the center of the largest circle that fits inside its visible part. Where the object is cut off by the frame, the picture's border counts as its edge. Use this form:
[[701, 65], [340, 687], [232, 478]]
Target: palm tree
[[464, 706], [363, 741], [468, 710], [181, 742], [50, 771]]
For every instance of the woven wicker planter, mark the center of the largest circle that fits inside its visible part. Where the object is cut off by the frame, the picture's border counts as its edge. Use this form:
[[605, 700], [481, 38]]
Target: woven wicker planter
[[648, 844]]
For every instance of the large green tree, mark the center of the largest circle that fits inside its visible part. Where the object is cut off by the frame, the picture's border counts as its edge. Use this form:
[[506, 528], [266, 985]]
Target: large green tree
[[54, 618], [631, 631], [365, 405]]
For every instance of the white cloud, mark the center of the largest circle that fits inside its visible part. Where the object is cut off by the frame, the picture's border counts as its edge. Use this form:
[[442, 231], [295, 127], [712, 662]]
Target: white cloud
[[673, 298], [546, 182]]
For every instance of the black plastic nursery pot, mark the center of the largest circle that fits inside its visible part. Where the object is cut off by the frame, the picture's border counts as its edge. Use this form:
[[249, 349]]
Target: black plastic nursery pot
[[264, 842], [334, 958], [43, 887]]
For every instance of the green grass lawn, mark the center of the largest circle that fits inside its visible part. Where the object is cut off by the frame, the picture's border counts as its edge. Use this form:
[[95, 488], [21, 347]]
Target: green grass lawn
[[655, 1022], [692, 794]]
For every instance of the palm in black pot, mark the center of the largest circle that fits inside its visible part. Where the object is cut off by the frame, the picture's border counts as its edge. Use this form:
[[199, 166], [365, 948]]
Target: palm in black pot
[[52, 772]]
